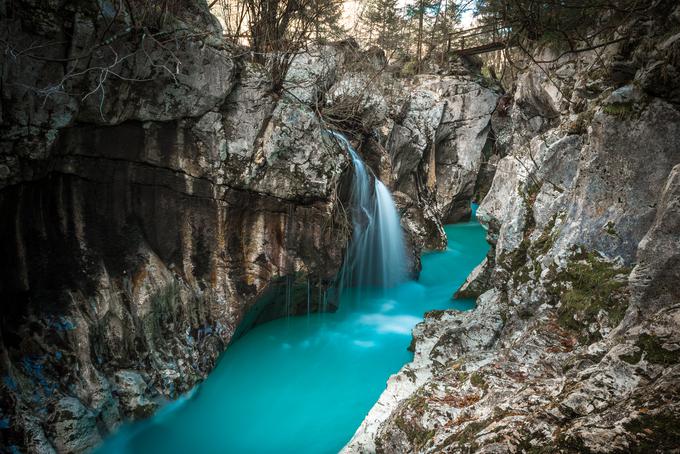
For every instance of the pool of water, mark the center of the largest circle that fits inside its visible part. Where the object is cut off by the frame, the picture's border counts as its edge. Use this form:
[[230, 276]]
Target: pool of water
[[304, 384]]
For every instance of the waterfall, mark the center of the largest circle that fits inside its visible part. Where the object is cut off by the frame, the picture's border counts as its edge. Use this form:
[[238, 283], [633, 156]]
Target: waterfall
[[376, 255]]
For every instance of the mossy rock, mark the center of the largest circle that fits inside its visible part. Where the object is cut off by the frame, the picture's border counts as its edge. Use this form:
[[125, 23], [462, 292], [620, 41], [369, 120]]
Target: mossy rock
[[652, 347], [596, 285], [466, 437], [622, 110], [655, 432], [165, 304], [544, 242], [478, 381], [417, 435]]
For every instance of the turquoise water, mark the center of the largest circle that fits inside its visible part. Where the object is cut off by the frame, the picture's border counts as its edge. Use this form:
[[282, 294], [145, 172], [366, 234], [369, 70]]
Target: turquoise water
[[304, 384]]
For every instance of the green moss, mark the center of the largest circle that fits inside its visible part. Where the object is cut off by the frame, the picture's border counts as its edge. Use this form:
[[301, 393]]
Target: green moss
[[595, 285], [652, 346], [524, 312], [499, 413], [486, 72], [570, 364], [415, 433], [609, 229], [544, 242], [409, 69], [478, 380], [410, 374], [632, 358], [521, 266], [524, 270], [466, 438], [522, 275], [542, 447], [504, 314], [472, 429], [655, 433], [530, 193], [621, 110], [570, 444], [519, 256], [487, 79], [462, 376], [597, 72], [539, 449], [417, 403], [467, 435]]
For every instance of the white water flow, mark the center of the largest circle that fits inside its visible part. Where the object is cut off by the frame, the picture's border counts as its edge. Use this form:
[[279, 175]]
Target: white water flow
[[376, 255]]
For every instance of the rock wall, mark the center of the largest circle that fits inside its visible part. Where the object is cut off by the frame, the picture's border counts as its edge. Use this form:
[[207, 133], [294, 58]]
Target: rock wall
[[573, 346], [146, 205], [428, 137], [153, 190]]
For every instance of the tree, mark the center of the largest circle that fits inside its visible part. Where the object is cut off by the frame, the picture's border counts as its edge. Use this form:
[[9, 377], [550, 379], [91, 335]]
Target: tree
[[574, 23], [422, 12], [445, 21], [382, 17], [234, 19], [279, 29]]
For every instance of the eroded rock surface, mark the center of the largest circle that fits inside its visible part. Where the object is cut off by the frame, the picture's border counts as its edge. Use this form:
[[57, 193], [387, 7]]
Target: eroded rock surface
[[142, 221], [574, 345], [157, 195]]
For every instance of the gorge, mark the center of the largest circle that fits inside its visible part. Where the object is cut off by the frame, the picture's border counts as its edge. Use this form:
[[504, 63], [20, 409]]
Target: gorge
[[319, 373], [316, 375], [357, 245]]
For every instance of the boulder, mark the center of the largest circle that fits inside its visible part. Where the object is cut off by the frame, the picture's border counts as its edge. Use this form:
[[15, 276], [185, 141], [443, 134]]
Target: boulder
[[73, 427], [132, 392]]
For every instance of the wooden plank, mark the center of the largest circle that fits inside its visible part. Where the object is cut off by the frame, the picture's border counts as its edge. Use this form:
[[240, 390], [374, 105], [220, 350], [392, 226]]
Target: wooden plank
[[484, 48]]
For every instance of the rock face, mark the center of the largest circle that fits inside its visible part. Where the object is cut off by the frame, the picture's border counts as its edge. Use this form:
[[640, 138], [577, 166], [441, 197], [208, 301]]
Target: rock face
[[574, 345], [156, 196], [437, 144], [141, 222], [428, 139]]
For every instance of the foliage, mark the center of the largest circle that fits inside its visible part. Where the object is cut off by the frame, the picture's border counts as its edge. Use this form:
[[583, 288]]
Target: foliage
[[581, 123], [621, 110], [418, 31], [548, 20], [277, 30], [567, 24], [385, 24]]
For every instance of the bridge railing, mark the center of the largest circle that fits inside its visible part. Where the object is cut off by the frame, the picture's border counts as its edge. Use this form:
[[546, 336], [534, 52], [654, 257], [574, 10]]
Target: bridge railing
[[479, 40]]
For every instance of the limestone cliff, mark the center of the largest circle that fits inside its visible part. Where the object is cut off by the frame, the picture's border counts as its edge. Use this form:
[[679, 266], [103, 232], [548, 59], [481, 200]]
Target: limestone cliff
[[156, 196], [144, 210], [574, 345]]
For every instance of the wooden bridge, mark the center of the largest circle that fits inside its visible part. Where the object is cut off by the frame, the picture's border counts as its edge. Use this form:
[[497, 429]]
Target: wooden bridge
[[479, 40]]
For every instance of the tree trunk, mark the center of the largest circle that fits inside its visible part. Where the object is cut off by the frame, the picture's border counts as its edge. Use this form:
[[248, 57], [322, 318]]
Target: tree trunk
[[421, 11]]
